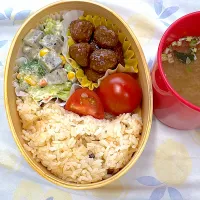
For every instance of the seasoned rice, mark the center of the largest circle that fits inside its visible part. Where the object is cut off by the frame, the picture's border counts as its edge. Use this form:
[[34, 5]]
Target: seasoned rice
[[78, 149]]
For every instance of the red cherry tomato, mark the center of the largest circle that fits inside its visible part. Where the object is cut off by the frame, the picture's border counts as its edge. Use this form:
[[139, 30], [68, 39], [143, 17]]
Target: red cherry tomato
[[85, 102], [119, 93]]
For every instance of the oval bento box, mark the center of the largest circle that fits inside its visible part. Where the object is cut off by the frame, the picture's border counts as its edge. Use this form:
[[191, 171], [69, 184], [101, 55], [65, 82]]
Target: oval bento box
[[10, 98]]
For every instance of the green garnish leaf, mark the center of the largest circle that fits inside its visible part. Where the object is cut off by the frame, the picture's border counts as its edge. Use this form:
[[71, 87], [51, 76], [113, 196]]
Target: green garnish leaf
[[189, 69], [183, 57], [193, 42]]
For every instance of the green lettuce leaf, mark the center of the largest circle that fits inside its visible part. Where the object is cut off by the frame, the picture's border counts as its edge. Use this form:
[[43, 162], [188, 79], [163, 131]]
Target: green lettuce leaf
[[52, 26], [63, 95], [55, 91]]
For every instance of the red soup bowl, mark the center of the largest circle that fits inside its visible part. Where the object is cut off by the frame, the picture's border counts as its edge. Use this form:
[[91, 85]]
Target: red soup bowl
[[169, 107]]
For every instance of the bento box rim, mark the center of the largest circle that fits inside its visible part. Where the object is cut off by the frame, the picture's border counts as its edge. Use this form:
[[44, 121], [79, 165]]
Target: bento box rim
[[51, 178]]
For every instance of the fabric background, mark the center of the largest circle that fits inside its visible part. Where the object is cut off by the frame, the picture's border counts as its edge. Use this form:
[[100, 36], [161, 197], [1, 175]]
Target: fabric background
[[168, 169]]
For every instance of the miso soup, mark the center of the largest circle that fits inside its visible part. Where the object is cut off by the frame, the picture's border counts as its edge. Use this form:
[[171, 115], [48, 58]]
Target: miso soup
[[181, 64]]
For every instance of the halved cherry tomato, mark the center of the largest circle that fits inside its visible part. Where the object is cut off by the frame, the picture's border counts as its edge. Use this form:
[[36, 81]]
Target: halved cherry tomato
[[85, 102], [119, 93]]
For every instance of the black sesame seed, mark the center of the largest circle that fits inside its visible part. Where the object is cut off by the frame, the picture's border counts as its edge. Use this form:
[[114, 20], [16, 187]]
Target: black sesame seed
[[91, 155], [110, 171]]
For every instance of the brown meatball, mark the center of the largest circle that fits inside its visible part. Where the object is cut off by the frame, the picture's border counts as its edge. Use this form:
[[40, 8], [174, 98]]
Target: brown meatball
[[93, 75], [93, 45], [103, 59], [105, 38], [80, 53], [119, 52], [81, 30]]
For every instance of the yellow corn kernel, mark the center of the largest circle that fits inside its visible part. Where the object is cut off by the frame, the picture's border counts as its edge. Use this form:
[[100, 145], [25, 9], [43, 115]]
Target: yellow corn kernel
[[18, 76], [71, 75], [63, 59], [30, 81], [43, 52]]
